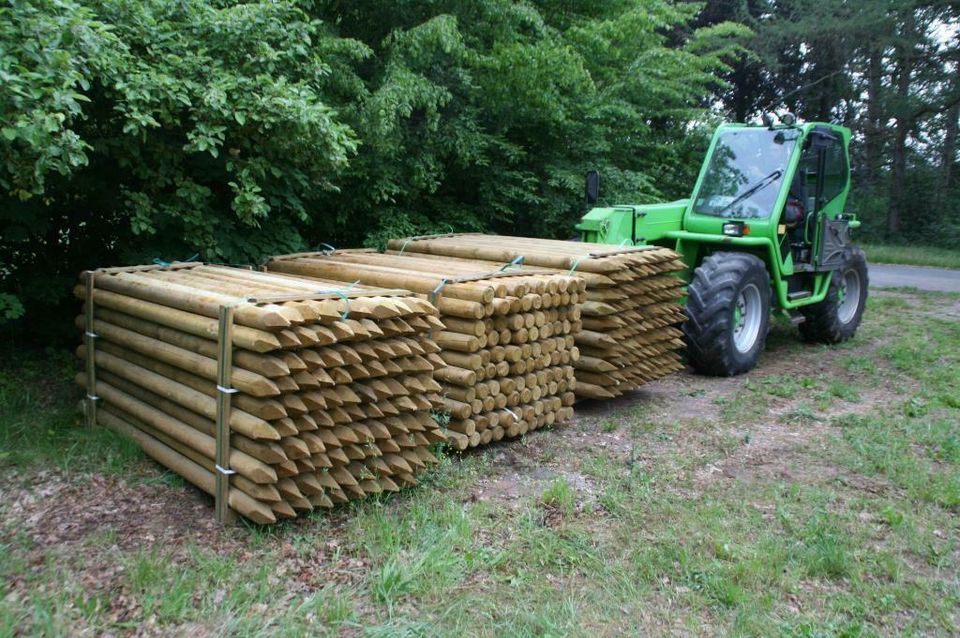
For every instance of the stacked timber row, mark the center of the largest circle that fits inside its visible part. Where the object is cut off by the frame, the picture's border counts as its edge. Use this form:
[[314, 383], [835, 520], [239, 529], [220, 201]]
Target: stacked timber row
[[333, 388], [507, 340], [631, 314]]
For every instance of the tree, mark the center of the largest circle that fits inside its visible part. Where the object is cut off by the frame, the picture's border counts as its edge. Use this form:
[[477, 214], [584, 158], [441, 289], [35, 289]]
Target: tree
[[951, 123], [485, 115], [884, 69], [159, 129]]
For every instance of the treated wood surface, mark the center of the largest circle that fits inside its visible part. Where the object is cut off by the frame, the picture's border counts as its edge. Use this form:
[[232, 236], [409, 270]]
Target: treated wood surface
[[335, 383], [499, 323], [630, 313]]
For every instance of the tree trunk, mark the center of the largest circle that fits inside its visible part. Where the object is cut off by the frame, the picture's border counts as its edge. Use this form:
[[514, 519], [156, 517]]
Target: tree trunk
[[949, 151], [898, 173], [872, 131]]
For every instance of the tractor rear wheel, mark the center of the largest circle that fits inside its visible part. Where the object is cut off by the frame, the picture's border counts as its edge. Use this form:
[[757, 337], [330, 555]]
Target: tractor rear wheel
[[728, 313], [838, 316]]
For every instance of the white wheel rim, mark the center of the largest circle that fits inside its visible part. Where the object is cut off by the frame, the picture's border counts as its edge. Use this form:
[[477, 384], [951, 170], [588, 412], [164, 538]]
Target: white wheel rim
[[849, 294], [747, 317]]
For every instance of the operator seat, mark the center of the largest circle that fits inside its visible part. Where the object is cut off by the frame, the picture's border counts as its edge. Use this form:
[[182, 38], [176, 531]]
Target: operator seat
[[795, 216]]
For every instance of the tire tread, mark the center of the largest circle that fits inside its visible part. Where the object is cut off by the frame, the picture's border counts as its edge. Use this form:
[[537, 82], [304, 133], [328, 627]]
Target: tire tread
[[710, 297], [821, 322]]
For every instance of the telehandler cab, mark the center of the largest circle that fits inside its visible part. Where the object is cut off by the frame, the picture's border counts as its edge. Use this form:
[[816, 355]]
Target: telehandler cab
[[764, 229]]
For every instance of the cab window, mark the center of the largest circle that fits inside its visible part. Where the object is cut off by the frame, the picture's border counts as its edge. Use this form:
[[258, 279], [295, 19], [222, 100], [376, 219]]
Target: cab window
[[834, 178], [835, 172]]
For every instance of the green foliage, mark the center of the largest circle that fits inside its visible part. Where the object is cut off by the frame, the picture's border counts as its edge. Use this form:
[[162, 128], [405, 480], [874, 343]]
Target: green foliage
[[10, 307], [486, 115], [159, 128], [133, 130], [887, 69]]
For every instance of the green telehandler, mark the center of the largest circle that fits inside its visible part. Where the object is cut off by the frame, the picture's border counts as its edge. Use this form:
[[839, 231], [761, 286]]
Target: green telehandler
[[763, 230]]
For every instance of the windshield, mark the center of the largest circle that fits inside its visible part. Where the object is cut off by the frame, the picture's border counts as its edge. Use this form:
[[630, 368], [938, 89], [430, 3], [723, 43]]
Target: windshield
[[745, 173]]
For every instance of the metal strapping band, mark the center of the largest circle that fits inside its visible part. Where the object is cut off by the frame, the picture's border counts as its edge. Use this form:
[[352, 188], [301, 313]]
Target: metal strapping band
[[518, 262], [227, 390], [346, 300], [251, 267], [436, 291], [343, 293], [166, 264], [225, 470], [515, 417], [404, 247], [576, 263], [91, 366], [329, 249]]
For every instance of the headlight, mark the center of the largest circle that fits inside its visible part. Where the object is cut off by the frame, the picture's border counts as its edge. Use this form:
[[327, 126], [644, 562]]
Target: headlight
[[733, 229]]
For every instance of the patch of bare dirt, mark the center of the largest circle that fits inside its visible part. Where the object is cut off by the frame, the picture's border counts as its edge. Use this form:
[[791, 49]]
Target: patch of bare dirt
[[773, 452], [510, 489], [520, 473], [681, 396], [52, 510], [946, 309], [87, 523], [787, 446]]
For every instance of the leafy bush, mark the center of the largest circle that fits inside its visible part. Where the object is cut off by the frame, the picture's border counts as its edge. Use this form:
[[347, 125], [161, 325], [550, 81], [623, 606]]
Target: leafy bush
[[132, 130]]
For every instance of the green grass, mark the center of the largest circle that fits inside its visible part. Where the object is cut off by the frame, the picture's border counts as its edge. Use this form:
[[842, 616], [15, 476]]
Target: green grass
[[41, 423], [817, 496], [912, 255]]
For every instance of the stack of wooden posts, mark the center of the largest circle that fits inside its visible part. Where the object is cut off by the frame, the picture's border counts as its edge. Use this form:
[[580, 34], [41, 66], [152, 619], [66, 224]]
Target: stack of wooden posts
[[508, 337], [332, 389], [631, 314]]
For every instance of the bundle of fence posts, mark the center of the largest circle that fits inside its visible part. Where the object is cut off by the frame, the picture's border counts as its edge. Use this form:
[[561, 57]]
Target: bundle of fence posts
[[632, 310], [508, 337], [275, 394]]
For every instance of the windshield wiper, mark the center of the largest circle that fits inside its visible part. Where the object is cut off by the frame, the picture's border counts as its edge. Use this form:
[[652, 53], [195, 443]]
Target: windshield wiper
[[763, 183]]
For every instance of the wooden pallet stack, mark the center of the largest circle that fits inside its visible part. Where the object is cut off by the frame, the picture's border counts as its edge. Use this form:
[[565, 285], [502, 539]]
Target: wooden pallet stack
[[332, 389], [631, 314], [508, 336]]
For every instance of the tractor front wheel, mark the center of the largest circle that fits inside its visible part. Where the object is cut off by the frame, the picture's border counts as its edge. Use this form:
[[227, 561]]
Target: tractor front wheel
[[728, 314], [838, 316]]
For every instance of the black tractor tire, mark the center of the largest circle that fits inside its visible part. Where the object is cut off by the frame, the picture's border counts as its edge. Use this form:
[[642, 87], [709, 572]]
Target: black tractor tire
[[833, 320], [716, 342]]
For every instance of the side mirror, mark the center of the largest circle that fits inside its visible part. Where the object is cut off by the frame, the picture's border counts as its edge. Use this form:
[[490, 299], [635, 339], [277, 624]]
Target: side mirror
[[593, 187]]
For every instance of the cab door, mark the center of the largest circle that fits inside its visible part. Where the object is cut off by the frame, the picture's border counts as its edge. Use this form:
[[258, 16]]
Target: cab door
[[818, 192], [830, 233]]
